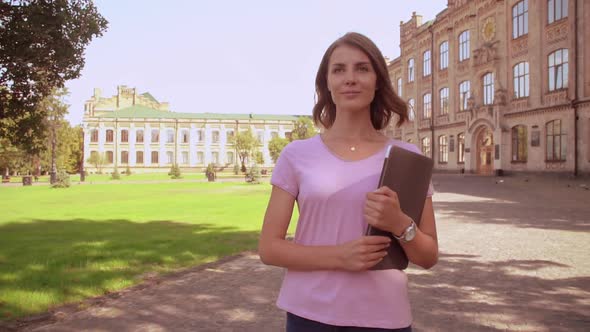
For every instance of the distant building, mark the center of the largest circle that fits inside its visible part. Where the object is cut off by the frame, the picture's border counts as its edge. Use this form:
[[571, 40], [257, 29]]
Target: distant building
[[138, 131], [498, 85]]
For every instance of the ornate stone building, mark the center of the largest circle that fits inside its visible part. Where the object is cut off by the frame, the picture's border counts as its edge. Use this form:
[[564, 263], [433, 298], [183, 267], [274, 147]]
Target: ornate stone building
[[499, 86], [136, 130]]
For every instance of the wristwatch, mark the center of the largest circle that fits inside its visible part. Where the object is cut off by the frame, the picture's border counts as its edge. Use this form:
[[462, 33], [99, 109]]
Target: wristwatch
[[408, 234]]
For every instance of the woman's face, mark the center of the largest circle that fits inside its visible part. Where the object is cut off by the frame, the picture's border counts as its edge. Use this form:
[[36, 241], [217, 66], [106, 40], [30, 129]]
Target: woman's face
[[352, 81]]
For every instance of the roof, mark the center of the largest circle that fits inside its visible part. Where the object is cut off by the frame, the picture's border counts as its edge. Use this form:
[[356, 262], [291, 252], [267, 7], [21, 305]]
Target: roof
[[149, 96], [139, 111]]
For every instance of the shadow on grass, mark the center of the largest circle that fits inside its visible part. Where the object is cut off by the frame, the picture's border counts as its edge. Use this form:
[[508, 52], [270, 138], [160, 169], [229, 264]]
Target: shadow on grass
[[44, 263], [462, 293]]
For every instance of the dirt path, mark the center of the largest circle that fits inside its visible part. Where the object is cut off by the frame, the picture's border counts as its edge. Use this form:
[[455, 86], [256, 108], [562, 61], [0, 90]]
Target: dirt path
[[514, 257]]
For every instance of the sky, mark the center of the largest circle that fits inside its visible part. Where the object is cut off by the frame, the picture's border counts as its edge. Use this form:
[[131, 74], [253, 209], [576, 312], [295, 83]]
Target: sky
[[222, 56]]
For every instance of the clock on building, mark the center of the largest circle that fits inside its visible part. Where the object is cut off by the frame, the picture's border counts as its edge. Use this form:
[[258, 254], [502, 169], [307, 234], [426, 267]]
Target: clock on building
[[488, 29]]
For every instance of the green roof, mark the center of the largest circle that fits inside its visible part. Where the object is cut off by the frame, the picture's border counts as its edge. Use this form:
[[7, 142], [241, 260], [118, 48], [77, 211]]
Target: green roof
[[149, 96], [139, 111]]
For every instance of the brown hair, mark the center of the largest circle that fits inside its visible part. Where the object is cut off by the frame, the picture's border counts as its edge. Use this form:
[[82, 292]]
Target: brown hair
[[386, 101]]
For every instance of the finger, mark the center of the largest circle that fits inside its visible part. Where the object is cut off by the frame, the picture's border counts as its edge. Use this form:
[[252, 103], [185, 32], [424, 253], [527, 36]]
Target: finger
[[373, 248], [376, 239], [385, 190]]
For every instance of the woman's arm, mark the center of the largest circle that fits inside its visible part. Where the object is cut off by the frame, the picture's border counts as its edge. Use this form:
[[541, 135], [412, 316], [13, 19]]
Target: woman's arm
[[382, 211], [274, 249]]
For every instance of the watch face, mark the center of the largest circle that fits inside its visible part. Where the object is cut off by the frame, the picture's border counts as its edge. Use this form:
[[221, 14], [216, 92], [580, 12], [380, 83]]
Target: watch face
[[410, 233]]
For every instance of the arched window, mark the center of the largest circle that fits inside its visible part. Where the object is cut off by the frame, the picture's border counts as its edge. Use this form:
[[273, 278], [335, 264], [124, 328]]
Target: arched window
[[94, 136], [464, 45], [426, 146], [444, 100], [556, 10], [521, 80], [443, 149], [124, 136], [411, 70], [444, 55], [109, 136], [139, 136], [558, 69], [520, 19], [556, 141], [519, 143], [426, 63], [411, 109], [464, 94], [488, 89], [426, 105]]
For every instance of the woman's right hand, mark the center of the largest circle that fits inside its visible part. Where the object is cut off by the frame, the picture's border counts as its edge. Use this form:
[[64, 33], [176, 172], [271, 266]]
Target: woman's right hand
[[363, 253]]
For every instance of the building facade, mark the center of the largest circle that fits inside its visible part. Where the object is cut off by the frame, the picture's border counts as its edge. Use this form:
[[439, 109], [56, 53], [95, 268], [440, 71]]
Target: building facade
[[498, 86], [136, 130]]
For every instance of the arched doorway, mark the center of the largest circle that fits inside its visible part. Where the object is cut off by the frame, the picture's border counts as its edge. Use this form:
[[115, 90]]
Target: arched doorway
[[485, 152]]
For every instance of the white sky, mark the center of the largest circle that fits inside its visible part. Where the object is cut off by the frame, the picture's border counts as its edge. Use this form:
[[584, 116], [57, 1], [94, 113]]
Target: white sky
[[256, 56]]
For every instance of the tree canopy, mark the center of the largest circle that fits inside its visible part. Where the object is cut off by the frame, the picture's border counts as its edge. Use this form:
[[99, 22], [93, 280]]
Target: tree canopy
[[42, 44]]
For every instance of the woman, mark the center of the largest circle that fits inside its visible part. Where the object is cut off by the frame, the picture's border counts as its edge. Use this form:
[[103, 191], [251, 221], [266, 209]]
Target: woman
[[333, 177]]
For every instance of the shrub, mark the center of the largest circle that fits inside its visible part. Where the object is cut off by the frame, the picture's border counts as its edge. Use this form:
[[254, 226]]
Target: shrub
[[253, 175], [62, 180], [115, 175], [175, 172], [128, 170]]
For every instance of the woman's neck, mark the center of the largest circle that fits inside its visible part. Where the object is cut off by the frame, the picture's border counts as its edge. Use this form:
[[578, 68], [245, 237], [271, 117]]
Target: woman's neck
[[353, 125]]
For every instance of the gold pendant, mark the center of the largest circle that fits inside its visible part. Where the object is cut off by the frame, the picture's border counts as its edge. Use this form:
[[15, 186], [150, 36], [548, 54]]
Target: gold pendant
[[352, 148]]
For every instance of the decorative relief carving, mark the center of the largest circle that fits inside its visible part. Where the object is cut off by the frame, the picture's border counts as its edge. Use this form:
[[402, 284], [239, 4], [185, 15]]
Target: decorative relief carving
[[519, 46], [425, 123], [500, 96], [556, 97], [485, 54], [555, 33], [442, 119], [461, 116], [485, 111], [443, 75], [518, 105], [489, 6], [463, 65], [424, 43]]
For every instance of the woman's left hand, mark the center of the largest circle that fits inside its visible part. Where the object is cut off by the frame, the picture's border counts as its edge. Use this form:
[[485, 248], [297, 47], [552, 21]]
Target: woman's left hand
[[382, 210]]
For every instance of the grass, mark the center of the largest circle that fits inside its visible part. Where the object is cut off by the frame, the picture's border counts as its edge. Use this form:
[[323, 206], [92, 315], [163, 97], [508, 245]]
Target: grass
[[60, 246]]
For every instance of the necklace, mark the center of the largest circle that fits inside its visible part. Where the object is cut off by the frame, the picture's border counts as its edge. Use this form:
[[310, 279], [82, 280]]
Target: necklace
[[352, 148]]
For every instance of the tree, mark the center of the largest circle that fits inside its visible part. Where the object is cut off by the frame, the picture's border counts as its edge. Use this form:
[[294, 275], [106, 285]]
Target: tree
[[303, 128], [42, 44], [98, 160], [245, 144], [275, 146]]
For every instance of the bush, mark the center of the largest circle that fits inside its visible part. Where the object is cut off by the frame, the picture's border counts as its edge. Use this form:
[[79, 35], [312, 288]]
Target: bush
[[62, 180], [128, 171], [253, 175], [210, 172], [115, 175], [175, 172]]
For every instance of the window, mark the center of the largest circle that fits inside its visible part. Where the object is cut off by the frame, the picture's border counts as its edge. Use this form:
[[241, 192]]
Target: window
[[444, 55], [399, 87], [185, 136], [488, 89], [230, 158], [139, 157], [184, 157], [94, 136], [427, 106], [556, 10], [215, 157], [124, 136], [200, 158], [109, 136], [461, 148], [139, 136], [464, 94], [110, 157], [444, 101], [155, 135], [200, 135], [229, 134], [411, 70], [519, 143], [215, 136], [170, 136], [521, 80], [443, 150], [520, 19], [464, 45], [426, 63], [124, 157], [93, 154], [169, 157], [411, 107], [426, 146], [155, 157], [558, 69], [556, 142]]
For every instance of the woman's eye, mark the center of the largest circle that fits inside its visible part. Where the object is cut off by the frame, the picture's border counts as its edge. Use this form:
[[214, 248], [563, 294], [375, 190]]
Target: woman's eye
[[364, 69], [337, 70]]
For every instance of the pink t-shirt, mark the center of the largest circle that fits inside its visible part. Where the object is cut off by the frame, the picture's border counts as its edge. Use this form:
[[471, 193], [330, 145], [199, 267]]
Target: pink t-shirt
[[331, 194]]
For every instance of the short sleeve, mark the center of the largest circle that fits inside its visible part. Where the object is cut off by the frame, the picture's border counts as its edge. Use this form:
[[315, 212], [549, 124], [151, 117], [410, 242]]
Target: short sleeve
[[415, 149], [283, 174]]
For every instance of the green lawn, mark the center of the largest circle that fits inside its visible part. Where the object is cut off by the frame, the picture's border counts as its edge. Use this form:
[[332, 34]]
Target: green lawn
[[63, 245]]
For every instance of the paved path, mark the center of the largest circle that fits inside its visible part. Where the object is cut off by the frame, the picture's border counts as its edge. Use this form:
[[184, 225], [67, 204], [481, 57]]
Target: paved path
[[514, 257]]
